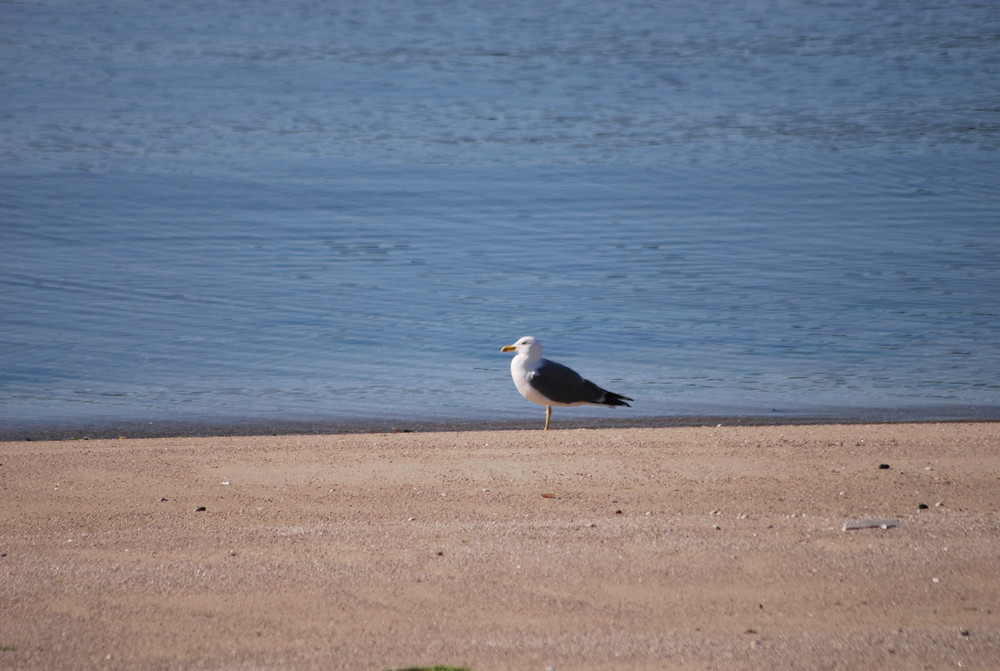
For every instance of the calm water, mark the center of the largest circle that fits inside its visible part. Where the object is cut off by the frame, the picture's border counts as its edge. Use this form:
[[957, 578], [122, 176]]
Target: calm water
[[238, 212]]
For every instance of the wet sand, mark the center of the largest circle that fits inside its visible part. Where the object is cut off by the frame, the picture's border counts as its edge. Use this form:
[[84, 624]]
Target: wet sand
[[575, 549]]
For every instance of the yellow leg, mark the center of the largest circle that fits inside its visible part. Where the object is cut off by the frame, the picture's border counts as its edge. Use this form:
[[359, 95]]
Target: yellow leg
[[548, 416]]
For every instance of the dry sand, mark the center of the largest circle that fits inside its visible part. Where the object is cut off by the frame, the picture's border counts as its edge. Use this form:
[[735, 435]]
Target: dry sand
[[690, 548]]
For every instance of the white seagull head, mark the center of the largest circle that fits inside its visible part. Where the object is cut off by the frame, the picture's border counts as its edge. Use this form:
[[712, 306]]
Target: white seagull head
[[527, 347]]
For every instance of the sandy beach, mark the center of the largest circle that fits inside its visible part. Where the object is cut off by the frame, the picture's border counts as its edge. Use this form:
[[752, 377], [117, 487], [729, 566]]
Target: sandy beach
[[575, 549]]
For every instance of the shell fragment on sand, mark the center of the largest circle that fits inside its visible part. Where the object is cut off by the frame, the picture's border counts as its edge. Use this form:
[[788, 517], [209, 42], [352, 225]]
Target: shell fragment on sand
[[871, 524]]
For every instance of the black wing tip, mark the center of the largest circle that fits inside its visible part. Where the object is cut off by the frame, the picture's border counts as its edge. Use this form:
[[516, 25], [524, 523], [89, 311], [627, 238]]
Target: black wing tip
[[611, 398]]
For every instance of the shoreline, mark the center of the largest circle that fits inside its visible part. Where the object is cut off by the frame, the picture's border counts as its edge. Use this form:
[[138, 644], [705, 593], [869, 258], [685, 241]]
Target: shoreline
[[661, 548], [93, 429]]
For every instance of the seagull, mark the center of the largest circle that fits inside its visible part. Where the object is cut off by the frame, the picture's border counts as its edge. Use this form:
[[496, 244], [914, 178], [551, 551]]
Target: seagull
[[549, 383]]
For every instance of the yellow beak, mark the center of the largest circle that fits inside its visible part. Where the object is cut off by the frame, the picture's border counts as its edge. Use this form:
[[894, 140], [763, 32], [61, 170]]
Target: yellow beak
[[508, 348]]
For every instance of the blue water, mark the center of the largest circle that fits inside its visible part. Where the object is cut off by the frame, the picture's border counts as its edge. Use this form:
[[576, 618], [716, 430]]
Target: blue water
[[239, 212]]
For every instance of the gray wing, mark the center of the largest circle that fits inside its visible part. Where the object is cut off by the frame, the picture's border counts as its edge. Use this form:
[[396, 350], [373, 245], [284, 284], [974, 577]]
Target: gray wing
[[561, 384]]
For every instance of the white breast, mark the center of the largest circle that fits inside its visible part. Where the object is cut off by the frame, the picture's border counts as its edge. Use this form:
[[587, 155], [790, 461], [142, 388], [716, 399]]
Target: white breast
[[522, 371]]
